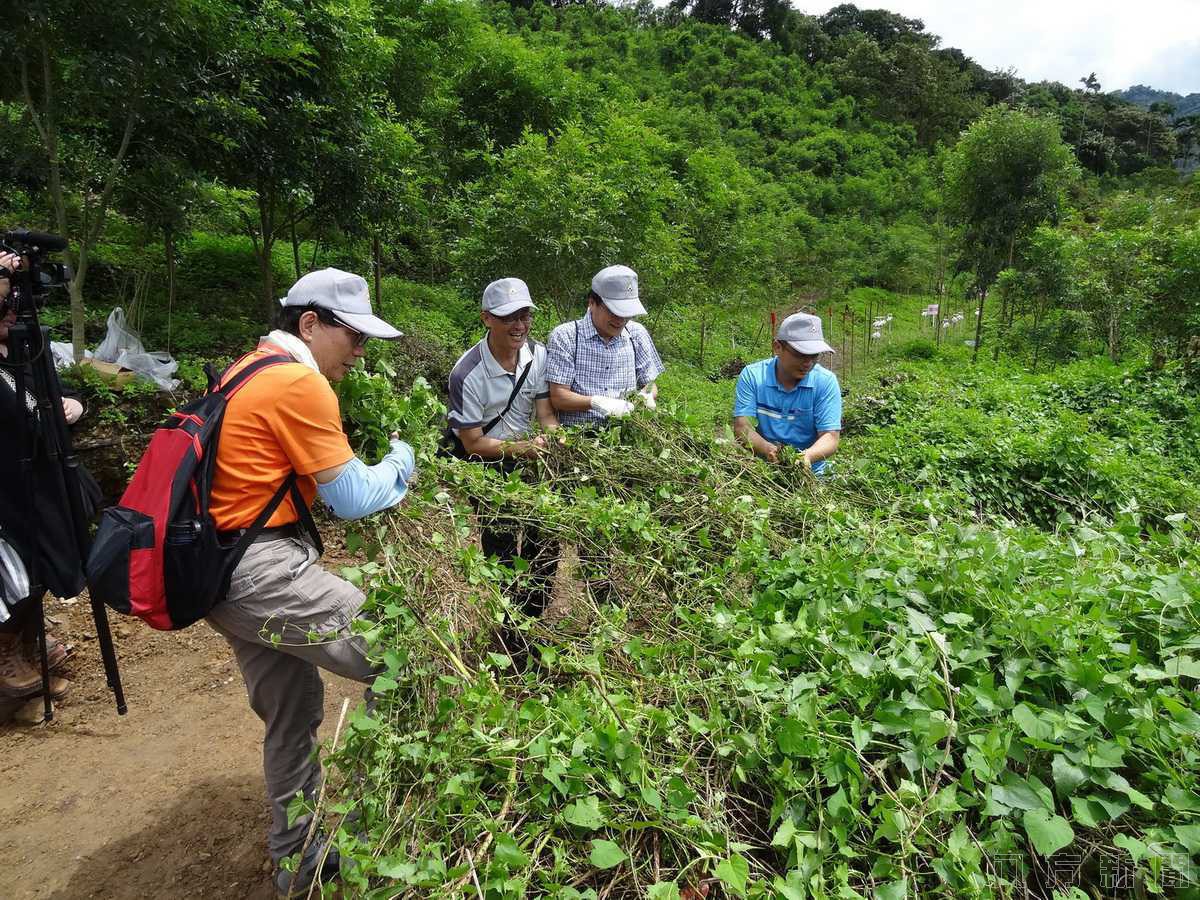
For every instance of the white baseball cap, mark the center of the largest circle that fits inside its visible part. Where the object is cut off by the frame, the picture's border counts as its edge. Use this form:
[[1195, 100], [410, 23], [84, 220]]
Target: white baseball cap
[[617, 286], [345, 295], [802, 332], [505, 296]]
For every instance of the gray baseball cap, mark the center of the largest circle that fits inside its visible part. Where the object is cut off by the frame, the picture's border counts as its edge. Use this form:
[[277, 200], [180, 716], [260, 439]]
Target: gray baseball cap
[[345, 295], [803, 334], [505, 296], [617, 286]]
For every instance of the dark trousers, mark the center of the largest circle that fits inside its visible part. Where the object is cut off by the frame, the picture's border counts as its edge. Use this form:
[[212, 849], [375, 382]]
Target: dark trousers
[[23, 617], [509, 540]]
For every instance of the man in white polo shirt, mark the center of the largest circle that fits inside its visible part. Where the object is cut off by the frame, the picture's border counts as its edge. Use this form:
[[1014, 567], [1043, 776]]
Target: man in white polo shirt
[[497, 388]]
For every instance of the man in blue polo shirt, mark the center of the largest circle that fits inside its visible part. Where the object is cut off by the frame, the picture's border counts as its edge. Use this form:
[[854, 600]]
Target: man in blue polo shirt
[[795, 400]]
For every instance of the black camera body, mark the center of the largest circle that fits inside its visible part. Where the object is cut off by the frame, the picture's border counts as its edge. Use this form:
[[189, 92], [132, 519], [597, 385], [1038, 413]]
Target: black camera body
[[41, 274]]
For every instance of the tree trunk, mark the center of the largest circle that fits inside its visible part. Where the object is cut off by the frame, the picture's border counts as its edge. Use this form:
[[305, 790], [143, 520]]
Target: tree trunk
[[295, 244], [264, 248], [1037, 333], [169, 248], [1004, 321], [266, 276], [939, 283], [377, 269], [978, 327], [94, 209], [46, 124]]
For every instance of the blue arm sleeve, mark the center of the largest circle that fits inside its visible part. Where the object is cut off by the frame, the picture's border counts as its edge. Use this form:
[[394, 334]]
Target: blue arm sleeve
[[360, 490]]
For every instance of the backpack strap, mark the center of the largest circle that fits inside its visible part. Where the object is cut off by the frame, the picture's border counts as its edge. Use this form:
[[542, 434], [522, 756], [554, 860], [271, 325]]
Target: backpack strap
[[227, 388], [306, 517], [289, 486], [228, 385]]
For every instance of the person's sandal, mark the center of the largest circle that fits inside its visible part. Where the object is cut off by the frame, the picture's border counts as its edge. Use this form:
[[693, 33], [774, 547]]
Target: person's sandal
[[57, 651]]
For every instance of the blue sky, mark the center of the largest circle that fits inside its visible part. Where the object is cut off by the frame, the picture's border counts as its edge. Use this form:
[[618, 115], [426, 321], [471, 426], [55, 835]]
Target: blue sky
[[1154, 42]]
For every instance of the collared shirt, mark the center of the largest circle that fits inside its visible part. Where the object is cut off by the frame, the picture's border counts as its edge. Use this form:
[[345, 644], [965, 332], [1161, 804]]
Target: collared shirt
[[284, 419], [792, 417], [480, 388], [580, 358]]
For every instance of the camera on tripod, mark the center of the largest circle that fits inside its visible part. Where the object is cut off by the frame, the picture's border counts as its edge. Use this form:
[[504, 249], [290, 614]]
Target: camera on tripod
[[44, 504], [40, 273]]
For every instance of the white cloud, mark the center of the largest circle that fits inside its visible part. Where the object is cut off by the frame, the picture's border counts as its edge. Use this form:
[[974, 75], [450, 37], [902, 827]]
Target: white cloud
[[1152, 42]]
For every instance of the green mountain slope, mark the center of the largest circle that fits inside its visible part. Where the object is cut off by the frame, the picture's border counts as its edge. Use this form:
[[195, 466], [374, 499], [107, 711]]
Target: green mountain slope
[[1143, 95]]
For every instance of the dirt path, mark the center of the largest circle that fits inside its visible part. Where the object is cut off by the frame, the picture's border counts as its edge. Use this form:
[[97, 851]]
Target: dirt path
[[166, 801]]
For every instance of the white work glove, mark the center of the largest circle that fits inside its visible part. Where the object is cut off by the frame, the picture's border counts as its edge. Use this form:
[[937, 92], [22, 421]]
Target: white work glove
[[403, 455], [648, 397], [611, 406]]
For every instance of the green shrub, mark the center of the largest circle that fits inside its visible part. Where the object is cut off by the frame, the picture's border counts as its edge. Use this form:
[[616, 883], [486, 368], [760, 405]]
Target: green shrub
[[438, 324], [921, 348], [1029, 447]]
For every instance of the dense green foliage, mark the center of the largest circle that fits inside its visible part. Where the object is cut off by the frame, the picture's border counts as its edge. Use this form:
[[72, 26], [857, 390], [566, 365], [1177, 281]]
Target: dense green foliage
[[966, 665], [963, 666], [210, 150]]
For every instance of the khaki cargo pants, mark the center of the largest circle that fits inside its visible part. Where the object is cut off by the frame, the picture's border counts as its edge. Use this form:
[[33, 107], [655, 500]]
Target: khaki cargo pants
[[286, 618]]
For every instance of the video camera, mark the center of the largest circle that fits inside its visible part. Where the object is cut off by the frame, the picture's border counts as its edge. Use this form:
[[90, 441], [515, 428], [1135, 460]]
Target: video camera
[[39, 274]]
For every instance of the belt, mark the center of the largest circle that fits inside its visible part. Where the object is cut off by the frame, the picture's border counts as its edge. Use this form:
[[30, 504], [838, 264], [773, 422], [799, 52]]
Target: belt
[[267, 534]]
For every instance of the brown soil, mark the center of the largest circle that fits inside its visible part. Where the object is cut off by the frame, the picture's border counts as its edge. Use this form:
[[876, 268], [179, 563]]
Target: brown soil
[[167, 801]]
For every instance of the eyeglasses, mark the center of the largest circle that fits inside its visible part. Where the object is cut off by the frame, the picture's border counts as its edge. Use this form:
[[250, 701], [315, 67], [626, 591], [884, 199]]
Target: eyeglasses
[[796, 354], [360, 339], [521, 315], [327, 318]]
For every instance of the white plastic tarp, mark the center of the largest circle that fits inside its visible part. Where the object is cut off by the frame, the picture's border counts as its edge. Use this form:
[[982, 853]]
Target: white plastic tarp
[[121, 345]]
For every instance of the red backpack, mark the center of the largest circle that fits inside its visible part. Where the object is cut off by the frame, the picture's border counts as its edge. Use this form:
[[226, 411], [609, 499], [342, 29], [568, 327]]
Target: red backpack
[[158, 555]]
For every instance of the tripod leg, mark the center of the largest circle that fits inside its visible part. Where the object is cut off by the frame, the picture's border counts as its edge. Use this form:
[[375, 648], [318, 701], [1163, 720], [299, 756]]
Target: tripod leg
[[39, 612], [109, 655]]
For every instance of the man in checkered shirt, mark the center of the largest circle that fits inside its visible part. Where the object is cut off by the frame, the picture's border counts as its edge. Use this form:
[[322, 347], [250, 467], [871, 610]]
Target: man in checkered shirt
[[595, 364]]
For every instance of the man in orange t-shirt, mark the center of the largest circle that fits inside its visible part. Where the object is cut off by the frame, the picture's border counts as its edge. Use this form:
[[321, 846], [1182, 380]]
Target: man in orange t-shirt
[[286, 617]]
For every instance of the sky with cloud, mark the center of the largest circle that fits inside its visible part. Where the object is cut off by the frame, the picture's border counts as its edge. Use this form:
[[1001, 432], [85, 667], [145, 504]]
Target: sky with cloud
[[1152, 42]]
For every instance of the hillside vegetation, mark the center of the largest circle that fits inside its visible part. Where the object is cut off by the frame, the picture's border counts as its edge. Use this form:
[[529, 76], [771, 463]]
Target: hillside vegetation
[[964, 665], [747, 155]]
